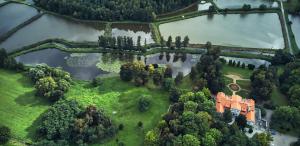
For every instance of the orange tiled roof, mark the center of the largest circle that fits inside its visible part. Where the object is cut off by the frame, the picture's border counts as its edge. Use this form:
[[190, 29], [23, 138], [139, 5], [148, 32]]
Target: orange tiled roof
[[246, 106]]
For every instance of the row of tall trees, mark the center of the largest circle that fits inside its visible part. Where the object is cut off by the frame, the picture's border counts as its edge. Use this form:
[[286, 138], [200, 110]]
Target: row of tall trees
[[179, 43], [122, 43], [112, 10]]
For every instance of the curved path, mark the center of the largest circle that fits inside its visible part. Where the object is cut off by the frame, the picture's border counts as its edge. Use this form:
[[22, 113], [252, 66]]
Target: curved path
[[235, 78]]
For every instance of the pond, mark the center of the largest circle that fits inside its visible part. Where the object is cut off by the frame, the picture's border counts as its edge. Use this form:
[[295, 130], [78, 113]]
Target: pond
[[229, 30], [13, 14], [204, 6], [133, 30], [49, 26], [86, 66], [256, 62], [236, 4], [80, 66], [296, 27]]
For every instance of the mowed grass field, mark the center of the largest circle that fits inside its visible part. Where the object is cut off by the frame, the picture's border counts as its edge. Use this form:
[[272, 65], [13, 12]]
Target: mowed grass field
[[19, 108], [120, 101]]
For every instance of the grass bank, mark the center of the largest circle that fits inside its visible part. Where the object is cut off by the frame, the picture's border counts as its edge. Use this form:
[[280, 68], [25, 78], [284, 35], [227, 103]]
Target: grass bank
[[119, 99], [20, 109]]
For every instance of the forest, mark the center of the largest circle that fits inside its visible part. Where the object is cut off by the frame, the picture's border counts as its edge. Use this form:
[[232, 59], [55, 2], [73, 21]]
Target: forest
[[113, 10]]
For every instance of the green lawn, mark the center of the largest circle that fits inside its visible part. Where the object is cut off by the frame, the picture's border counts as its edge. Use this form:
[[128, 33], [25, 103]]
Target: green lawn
[[244, 84], [186, 83], [278, 98], [121, 97], [19, 108], [243, 73]]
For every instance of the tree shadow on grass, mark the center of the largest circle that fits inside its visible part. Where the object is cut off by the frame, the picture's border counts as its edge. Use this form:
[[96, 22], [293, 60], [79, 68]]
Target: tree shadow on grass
[[32, 130], [25, 82], [29, 99]]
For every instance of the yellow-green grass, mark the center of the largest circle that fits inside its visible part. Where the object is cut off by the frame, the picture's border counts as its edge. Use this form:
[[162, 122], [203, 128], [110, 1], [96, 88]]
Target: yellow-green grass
[[120, 97], [20, 109], [243, 73]]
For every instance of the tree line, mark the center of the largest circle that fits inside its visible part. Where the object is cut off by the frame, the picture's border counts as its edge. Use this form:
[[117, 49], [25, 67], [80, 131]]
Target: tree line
[[122, 43], [127, 43], [113, 10]]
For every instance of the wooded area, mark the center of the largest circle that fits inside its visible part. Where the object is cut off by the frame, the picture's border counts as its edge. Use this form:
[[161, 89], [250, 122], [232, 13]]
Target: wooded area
[[113, 10]]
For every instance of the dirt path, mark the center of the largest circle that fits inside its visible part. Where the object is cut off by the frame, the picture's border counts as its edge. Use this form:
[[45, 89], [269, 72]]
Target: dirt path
[[235, 78]]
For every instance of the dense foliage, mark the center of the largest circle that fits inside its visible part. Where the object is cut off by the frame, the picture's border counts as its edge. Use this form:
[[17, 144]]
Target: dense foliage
[[290, 83], [192, 121], [144, 104], [66, 122], [285, 119], [208, 71], [262, 82], [50, 82], [5, 135], [121, 43], [9, 62], [112, 10], [282, 57], [140, 74]]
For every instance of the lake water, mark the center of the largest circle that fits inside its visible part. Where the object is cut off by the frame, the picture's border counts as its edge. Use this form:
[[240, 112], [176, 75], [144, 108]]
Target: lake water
[[235, 4], [86, 66], [49, 26], [13, 14], [204, 6], [256, 62], [133, 30], [296, 27], [251, 30]]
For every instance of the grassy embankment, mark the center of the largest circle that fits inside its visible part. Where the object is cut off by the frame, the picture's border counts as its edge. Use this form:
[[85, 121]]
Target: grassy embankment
[[291, 7], [20, 109], [119, 99]]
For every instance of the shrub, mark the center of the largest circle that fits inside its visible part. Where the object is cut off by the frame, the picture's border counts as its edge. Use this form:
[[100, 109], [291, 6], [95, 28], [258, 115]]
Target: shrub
[[5, 134], [251, 66], [246, 7], [179, 78], [168, 84], [140, 124], [97, 81], [223, 61], [263, 7], [121, 127], [144, 104], [250, 130]]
